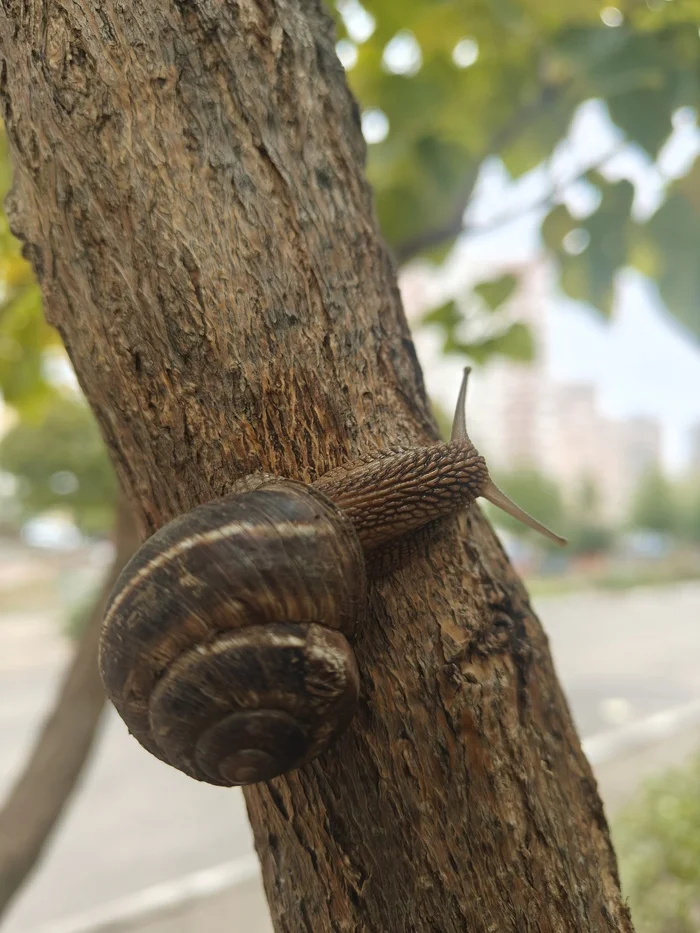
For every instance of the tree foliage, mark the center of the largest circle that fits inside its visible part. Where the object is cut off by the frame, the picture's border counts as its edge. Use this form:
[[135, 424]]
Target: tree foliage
[[55, 449], [25, 337], [688, 506], [450, 85], [654, 506]]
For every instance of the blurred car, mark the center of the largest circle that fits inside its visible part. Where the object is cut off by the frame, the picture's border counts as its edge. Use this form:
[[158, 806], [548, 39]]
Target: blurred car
[[52, 532], [645, 544]]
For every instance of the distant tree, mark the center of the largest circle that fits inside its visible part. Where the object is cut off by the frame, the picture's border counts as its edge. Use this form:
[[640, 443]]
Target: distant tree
[[588, 499], [535, 492], [688, 518], [588, 537], [654, 503], [586, 532], [60, 462], [25, 337]]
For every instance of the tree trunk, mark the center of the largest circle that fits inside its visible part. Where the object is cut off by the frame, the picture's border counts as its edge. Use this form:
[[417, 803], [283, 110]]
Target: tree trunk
[[189, 187], [43, 788]]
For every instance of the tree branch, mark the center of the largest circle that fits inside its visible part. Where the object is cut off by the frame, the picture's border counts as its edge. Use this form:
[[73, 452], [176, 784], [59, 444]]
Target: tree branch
[[547, 199], [42, 790], [453, 226]]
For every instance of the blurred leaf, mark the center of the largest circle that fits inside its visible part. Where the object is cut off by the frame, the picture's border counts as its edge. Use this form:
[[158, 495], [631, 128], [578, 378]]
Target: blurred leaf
[[672, 236], [556, 225], [497, 291], [515, 343], [643, 254], [447, 316], [538, 137], [590, 275]]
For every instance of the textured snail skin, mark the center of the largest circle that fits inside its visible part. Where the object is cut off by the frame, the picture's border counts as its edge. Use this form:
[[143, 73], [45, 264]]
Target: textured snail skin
[[400, 490]]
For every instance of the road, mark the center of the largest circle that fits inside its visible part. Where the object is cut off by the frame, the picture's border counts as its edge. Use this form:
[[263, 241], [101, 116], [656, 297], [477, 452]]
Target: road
[[620, 657]]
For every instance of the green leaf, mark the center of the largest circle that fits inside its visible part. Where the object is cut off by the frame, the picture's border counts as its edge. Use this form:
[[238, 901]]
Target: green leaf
[[515, 343], [556, 225], [673, 233], [538, 137], [496, 292], [590, 275], [447, 316]]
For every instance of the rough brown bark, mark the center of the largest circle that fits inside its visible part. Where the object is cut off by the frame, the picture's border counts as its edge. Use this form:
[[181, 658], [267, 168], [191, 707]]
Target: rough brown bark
[[189, 186], [43, 788]]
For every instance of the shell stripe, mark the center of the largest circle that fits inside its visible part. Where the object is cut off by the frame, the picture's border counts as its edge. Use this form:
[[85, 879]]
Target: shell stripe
[[200, 539]]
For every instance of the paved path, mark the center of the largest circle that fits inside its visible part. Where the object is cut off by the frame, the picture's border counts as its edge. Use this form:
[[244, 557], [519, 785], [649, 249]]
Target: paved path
[[620, 656]]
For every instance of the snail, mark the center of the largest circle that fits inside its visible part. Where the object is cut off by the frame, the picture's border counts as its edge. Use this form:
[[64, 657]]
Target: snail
[[225, 643]]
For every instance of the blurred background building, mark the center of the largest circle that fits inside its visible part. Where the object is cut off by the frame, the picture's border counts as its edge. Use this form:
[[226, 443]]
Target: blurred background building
[[521, 416]]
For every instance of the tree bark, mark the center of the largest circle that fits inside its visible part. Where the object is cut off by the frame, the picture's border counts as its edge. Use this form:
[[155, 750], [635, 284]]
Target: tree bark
[[189, 187], [62, 748]]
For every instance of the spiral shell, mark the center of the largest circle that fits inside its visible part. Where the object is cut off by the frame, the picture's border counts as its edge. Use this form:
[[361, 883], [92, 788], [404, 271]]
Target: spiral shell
[[224, 646]]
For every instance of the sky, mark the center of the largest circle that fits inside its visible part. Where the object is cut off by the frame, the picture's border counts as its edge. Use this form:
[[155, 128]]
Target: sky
[[641, 362]]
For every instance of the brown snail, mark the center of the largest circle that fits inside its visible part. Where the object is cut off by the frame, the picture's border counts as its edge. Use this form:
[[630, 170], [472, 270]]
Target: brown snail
[[225, 641]]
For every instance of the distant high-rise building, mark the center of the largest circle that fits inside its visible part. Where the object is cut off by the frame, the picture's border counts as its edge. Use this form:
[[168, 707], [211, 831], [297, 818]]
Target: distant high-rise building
[[581, 438], [518, 418], [589, 450], [636, 452], [508, 408]]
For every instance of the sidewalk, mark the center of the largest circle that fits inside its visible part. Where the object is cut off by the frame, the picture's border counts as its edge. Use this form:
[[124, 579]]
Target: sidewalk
[[223, 903]]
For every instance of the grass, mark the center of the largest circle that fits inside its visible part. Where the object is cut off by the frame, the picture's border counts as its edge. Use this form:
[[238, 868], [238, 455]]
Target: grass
[[618, 577], [657, 838]]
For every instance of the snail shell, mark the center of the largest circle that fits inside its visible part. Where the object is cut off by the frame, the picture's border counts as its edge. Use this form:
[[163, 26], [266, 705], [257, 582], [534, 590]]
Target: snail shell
[[224, 647]]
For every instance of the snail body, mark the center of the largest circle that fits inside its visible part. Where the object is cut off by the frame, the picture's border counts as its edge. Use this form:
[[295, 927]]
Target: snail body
[[225, 644]]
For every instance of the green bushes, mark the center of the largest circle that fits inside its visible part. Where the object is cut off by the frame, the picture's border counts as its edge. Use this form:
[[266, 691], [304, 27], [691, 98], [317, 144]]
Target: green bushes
[[657, 837]]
